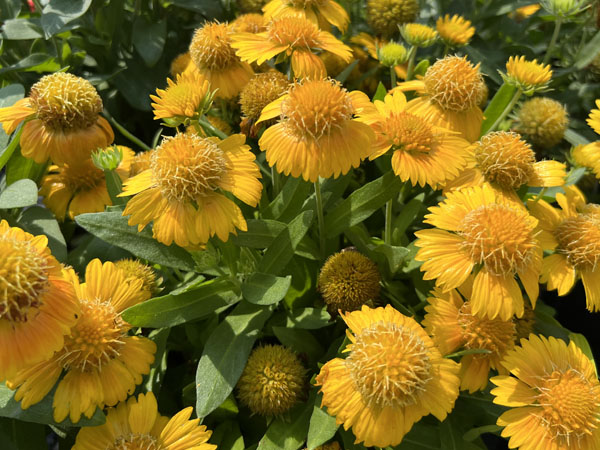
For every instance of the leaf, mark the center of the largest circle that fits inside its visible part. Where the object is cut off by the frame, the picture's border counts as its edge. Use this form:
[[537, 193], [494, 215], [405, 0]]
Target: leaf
[[35, 59], [19, 194], [380, 93], [19, 167], [361, 204], [57, 13], [22, 29], [289, 201], [574, 138], [283, 435], [309, 318], [10, 94], [391, 256], [580, 341], [208, 8], [474, 433], [589, 51], [112, 227], [225, 355], [301, 341], [260, 234], [344, 74], [265, 289], [175, 309], [18, 435], [322, 426], [496, 106], [149, 39], [9, 9], [37, 220]]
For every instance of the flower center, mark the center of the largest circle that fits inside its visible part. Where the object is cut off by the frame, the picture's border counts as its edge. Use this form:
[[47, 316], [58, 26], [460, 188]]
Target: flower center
[[187, 166], [499, 237], [408, 132], [81, 177], [569, 405], [454, 83], [96, 338], [579, 239], [210, 47], [495, 335], [23, 279], [314, 108], [135, 441], [261, 90], [389, 365], [295, 32], [64, 101]]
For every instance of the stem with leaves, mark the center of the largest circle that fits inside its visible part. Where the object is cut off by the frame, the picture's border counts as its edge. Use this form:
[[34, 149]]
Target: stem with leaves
[[506, 110]]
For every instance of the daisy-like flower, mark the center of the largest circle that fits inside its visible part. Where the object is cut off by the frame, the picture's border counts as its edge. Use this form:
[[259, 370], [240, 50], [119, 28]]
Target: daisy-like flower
[[478, 232], [180, 191], [249, 23], [393, 376], [320, 12], [296, 37], [180, 64], [64, 122], [527, 76], [588, 155], [215, 59], [101, 362], [450, 94], [384, 16], [137, 424], [182, 98], [418, 34], [38, 305], [136, 270], [452, 325], [454, 31], [554, 397], [140, 162], [80, 187], [594, 119], [422, 152], [525, 12], [261, 90], [316, 135], [543, 120], [573, 233]]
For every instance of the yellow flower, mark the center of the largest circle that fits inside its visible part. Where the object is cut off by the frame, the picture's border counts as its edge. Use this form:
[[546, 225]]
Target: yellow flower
[[294, 36], [136, 270], [528, 76], [477, 232], [594, 118], [573, 233], [455, 31], [64, 120], [452, 326], [180, 192], [101, 362], [394, 375], [272, 381], [392, 54], [319, 12], [384, 16], [588, 156], [524, 12], [316, 135], [137, 424], [249, 23], [140, 162], [450, 95], [543, 120], [261, 90], [180, 64], [418, 34], [422, 153], [37, 305], [181, 98], [216, 60], [554, 397]]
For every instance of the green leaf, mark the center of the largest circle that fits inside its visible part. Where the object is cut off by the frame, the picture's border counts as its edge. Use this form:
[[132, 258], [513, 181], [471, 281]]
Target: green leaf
[[380, 93], [22, 29], [496, 106], [580, 341], [10, 94], [301, 341], [265, 289], [474, 433], [260, 234], [393, 257], [35, 59], [344, 74], [289, 201], [9, 9], [361, 204], [284, 245], [149, 39], [112, 227], [19, 167], [208, 8], [574, 138], [37, 220], [225, 355], [19, 194], [58, 13], [589, 51], [309, 318], [288, 435], [18, 435], [322, 426], [175, 309]]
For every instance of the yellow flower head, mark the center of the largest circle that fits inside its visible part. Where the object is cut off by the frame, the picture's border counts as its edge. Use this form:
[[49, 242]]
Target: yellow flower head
[[384, 16], [261, 90], [594, 118], [37, 305], [136, 270], [180, 64], [478, 233], [452, 326], [392, 54], [553, 396], [418, 34], [320, 12], [66, 123], [393, 376], [251, 6], [348, 280], [588, 155], [316, 135], [272, 381], [249, 23], [528, 76], [182, 98], [181, 192], [140, 162], [524, 12], [544, 121], [455, 31], [216, 60], [101, 361], [137, 424]]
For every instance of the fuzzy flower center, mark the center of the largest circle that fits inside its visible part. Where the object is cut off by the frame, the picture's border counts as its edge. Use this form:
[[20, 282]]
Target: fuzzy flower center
[[495, 335], [136, 441], [261, 90], [64, 101], [315, 108], [506, 159], [139, 271], [389, 365], [210, 47], [499, 237], [187, 166], [23, 279], [294, 31], [408, 132], [579, 239]]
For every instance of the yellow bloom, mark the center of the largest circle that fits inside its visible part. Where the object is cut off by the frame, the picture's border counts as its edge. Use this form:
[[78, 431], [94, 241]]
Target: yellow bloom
[[528, 76], [102, 363], [65, 123], [422, 153], [452, 325], [394, 375], [216, 60], [524, 12], [554, 397], [455, 31], [140, 162], [316, 135], [180, 191], [180, 64], [261, 90], [594, 118], [588, 156], [319, 12], [294, 36], [137, 424], [384, 16], [135, 270], [37, 305], [249, 23], [478, 232], [392, 54], [181, 98], [543, 120], [418, 34]]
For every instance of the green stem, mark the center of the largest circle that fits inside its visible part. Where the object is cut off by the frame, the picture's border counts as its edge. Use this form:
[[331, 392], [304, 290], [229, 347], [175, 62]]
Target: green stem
[[540, 195], [557, 24], [276, 181], [393, 79], [508, 109], [114, 186], [320, 217], [387, 234], [412, 53], [208, 126], [8, 151], [126, 133]]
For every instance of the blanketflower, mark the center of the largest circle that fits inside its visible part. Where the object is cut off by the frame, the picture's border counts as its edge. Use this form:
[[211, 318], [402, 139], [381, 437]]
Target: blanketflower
[[455, 31], [320, 12], [594, 119]]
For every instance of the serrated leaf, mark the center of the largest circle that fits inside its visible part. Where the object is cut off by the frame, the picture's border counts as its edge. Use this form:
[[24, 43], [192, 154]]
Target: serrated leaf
[[19, 194], [58, 13], [322, 426], [288, 435], [149, 39], [37, 220], [496, 106], [265, 289], [308, 318]]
